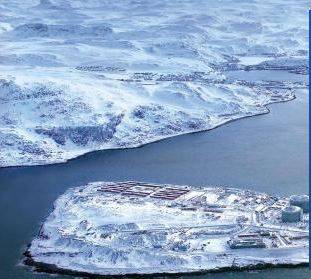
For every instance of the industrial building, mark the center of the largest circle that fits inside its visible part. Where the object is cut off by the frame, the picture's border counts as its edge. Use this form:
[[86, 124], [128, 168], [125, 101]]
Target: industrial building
[[301, 201], [291, 214], [250, 241]]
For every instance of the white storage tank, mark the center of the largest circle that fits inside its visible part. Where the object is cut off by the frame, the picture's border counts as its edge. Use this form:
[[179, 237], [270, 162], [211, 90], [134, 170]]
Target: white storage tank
[[301, 201], [291, 214]]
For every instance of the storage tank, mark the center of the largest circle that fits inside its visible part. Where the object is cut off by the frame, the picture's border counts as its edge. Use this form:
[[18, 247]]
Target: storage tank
[[291, 214], [301, 201]]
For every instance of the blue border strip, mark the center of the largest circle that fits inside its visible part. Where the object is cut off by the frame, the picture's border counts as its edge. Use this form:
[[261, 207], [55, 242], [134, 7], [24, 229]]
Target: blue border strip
[[309, 127]]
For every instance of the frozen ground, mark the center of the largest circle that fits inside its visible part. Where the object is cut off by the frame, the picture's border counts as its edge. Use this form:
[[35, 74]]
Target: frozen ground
[[78, 76], [130, 227]]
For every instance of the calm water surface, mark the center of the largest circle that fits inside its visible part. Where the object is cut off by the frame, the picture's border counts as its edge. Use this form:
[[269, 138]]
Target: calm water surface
[[266, 153]]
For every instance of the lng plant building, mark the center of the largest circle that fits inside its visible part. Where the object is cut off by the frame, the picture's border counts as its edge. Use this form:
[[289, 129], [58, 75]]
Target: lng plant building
[[291, 214], [301, 201]]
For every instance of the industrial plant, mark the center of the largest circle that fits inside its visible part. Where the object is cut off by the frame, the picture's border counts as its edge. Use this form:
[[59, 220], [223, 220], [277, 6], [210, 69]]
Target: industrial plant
[[170, 229]]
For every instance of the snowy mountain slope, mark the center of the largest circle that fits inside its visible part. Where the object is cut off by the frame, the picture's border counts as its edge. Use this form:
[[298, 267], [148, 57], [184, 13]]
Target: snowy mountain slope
[[78, 76]]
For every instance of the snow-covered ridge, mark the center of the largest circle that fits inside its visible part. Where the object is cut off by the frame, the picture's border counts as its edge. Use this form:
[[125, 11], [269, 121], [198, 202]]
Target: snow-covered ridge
[[78, 76], [141, 228]]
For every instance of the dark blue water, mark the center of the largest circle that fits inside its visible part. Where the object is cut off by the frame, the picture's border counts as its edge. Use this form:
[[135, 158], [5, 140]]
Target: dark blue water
[[266, 153]]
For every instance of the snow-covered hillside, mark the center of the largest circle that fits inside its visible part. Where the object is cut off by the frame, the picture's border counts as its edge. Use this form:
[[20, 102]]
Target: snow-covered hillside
[[78, 76]]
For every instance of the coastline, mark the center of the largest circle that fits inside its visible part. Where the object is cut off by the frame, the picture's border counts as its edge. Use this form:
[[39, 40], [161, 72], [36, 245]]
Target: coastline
[[142, 99], [41, 186], [53, 269], [266, 107]]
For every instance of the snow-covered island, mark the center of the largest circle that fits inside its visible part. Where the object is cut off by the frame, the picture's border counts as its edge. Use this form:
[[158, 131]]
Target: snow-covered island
[[106, 228], [79, 76]]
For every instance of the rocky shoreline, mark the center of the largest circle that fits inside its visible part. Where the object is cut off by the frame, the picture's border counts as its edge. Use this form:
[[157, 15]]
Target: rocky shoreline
[[53, 269]]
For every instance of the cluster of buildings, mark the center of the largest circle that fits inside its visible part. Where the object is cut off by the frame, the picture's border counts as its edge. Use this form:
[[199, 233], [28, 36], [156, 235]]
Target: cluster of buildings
[[291, 213], [218, 203]]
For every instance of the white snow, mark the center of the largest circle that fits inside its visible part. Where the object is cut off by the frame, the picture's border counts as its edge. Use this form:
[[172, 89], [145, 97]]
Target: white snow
[[78, 76]]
